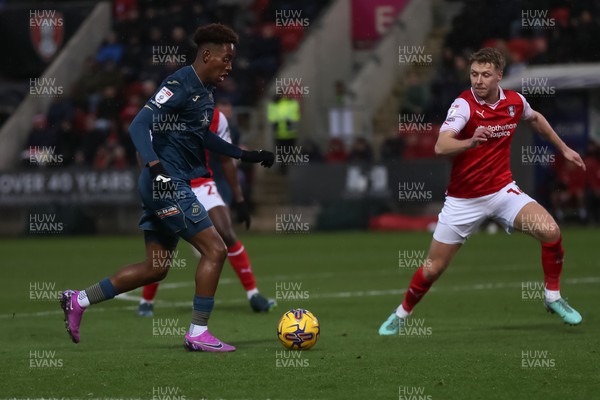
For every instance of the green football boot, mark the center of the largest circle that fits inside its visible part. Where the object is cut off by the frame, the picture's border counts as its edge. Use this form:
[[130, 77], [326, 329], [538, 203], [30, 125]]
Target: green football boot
[[565, 311], [391, 326]]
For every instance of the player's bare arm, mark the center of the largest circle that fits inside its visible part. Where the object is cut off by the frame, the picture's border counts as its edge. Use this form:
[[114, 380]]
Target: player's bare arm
[[230, 172], [239, 203], [448, 145], [541, 125]]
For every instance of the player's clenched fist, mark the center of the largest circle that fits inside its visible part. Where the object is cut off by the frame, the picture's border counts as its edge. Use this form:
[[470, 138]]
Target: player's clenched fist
[[480, 136]]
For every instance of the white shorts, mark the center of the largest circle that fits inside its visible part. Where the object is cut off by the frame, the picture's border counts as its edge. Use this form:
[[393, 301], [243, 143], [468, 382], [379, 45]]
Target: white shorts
[[459, 217], [208, 195]]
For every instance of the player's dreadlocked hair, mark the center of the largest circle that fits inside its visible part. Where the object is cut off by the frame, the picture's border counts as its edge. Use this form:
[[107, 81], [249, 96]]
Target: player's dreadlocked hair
[[215, 33], [489, 55]]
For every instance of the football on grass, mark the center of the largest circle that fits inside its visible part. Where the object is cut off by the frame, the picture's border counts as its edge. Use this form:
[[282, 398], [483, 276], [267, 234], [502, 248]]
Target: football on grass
[[298, 329]]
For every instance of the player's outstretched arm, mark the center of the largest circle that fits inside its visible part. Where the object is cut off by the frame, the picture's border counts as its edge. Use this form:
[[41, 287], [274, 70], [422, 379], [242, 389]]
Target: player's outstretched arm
[[541, 125], [448, 145], [220, 146]]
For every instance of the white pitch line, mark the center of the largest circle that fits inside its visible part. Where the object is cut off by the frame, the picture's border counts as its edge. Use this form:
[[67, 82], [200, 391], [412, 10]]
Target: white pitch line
[[229, 281], [323, 275], [334, 295]]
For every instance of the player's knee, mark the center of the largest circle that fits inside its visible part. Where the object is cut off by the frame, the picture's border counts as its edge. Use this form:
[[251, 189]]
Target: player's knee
[[157, 264], [222, 251], [432, 269], [221, 254], [217, 252], [551, 234], [157, 269], [431, 275]]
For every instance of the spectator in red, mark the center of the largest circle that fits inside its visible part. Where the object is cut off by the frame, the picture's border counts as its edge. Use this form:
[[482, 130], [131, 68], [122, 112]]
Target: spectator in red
[[124, 9], [337, 152]]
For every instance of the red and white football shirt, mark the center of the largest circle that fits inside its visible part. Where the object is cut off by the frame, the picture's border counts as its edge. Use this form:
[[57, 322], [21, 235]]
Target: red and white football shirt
[[484, 169]]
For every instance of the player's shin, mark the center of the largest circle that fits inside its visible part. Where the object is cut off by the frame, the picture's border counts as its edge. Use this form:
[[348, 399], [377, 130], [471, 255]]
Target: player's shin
[[419, 285], [552, 263], [149, 292], [239, 260], [203, 306], [98, 292]]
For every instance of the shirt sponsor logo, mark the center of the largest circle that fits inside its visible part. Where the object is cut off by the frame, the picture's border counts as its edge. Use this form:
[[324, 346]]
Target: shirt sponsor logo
[[499, 130], [167, 212], [163, 95]]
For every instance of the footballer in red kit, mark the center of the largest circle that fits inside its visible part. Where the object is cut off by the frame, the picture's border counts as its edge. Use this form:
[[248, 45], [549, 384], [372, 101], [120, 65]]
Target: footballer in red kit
[[477, 134]]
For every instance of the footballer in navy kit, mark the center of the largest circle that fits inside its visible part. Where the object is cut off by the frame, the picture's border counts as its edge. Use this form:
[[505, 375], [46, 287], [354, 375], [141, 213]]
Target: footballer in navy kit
[[170, 133]]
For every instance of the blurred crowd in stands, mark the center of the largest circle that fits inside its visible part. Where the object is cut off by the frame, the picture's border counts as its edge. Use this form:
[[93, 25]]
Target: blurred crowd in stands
[[150, 40], [531, 32], [573, 194]]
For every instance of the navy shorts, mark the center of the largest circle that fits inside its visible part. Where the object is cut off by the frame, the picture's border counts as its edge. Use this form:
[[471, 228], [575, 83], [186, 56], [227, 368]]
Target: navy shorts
[[170, 215]]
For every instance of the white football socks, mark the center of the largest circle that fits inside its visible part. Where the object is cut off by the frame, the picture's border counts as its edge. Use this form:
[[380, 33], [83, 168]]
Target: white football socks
[[82, 299], [251, 293], [552, 295], [401, 312], [197, 330]]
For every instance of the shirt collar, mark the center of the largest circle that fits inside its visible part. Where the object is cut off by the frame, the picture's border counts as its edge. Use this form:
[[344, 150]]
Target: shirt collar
[[208, 87], [482, 102]]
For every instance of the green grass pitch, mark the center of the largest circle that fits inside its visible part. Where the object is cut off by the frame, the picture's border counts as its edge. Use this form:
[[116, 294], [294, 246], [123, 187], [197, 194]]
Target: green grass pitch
[[480, 333]]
